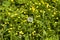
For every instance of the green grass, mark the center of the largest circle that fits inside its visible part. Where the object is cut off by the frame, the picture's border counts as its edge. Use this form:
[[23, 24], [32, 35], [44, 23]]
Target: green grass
[[29, 19]]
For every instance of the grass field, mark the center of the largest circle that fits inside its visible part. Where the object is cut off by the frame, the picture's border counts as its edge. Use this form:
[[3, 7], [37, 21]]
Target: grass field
[[29, 19]]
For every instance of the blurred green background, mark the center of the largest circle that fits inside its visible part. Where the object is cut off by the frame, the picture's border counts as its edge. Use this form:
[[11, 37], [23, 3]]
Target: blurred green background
[[29, 19]]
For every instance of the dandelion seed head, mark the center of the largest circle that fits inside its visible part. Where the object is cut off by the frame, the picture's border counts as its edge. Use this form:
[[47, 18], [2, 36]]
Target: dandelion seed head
[[30, 19]]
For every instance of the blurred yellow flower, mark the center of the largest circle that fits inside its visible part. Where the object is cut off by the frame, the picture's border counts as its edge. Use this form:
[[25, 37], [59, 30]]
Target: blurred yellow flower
[[33, 32], [54, 13], [47, 5], [18, 17], [24, 12], [39, 3], [9, 31], [41, 11], [24, 20], [36, 3], [11, 28], [37, 15], [16, 33], [16, 14], [8, 13], [21, 32], [12, 0], [33, 9], [55, 22], [6, 22]]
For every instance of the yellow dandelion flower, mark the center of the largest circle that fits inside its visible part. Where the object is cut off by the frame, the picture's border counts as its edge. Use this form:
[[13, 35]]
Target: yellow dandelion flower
[[33, 9]]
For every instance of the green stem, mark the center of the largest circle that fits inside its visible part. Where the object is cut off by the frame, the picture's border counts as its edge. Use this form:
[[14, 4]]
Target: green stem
[[11, 36]]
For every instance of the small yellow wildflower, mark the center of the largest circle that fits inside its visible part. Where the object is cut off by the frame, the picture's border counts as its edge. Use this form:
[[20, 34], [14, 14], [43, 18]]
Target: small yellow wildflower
[[18, 17], [6, 22], [37, 6], [19, 26], [38, 16], [41, 11], [33, 32], [39, 3], [21, 32], [36, 3], [24, 12], [24, 20], [47, 5], [55, 22], [54, 13], [11, 28], [8, 13], [33, 9], [12, 0], [16, 14]]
